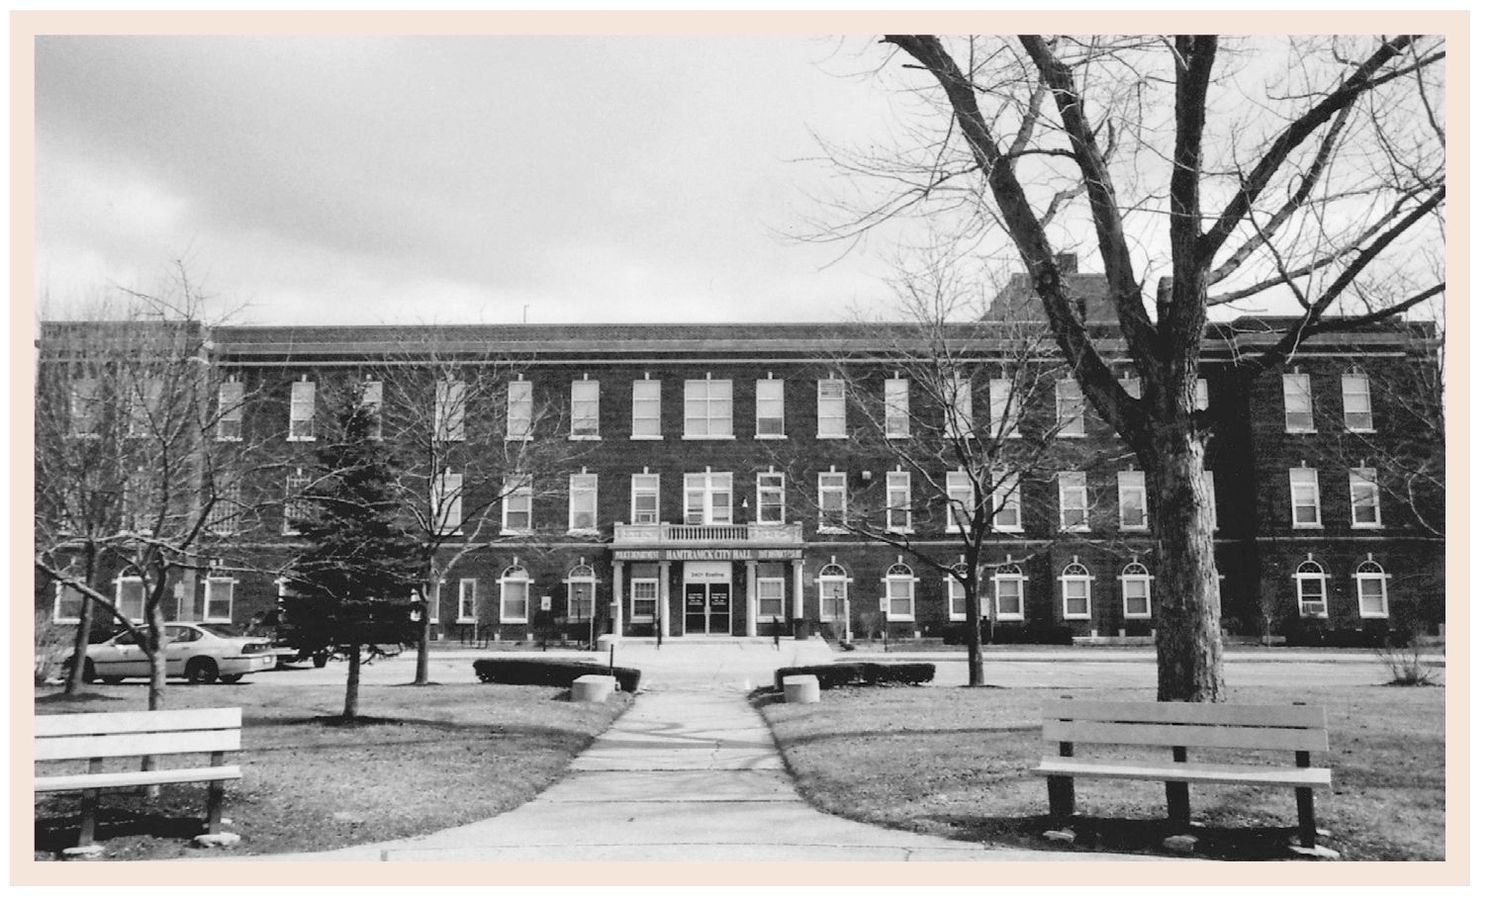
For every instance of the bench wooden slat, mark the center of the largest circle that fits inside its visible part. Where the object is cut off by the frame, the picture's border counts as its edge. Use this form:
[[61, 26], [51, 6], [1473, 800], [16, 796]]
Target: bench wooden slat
[[120, 745], [1192, 736], [74, 782], [1306, 777], [1299, 716], [100, 723]]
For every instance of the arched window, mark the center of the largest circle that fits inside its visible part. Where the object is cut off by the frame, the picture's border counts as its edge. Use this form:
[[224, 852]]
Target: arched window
[[900, 592], [513, 587], [1371, 589], [833, 591], [1009, 592], [1133, 583], [957, 605], [581, 583], [1309, 585], [1076, 592]]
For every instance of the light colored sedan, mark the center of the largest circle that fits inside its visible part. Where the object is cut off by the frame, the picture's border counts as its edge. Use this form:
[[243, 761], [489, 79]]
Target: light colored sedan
[[200, 652]]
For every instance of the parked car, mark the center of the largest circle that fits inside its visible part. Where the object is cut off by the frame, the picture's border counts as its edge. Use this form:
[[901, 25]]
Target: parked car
[[200, 652]]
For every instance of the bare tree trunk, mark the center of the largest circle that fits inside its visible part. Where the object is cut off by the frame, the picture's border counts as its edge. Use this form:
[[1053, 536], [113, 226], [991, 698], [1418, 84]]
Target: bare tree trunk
[[971, 635], [422, 655], [354, 679], [74, 683], [155, 642]]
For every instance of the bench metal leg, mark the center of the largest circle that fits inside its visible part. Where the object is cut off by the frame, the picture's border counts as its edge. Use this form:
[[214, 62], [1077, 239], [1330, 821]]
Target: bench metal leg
[[89, 818], [1305, 799], [1063, 797]]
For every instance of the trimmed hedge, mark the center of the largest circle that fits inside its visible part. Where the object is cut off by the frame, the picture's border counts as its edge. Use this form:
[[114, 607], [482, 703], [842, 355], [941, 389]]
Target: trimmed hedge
[[862, 673], [544, 672]]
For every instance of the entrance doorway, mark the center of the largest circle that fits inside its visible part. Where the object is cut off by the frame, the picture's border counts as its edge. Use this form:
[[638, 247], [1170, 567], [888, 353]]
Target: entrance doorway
[[706, 599]]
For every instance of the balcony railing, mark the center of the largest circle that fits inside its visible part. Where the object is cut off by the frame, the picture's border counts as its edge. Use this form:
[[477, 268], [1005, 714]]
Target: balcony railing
[[709, 534]]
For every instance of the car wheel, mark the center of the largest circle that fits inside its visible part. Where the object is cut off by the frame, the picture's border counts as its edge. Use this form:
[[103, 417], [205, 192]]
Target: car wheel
[[320, 658], [229, 678], [201, 670], [89, 674], [112, 681]]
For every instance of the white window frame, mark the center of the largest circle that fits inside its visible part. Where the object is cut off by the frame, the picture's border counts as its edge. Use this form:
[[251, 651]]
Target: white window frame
[[57, 616], [708, 409], [956, 604], [1008, 573], [898, 501], [1007, 502], [519, 410], [647, 409], [1132, 485], [119, 584], [1069, 483], [771, 409], [208, 601], [1075, 572], [229, 426], [450, 410], [371, 397], [223, 520], [581, 575], [1135, 575], [832, 587], [779, 584], [584, 495], [512, 577], [1070, 422], [900, 574], [957, 407], [512, 492], [1005, 409], [833, 411], [1355, 384], [708, 486], [1302, 482], [302, 412], [640, 586], [295, 487], [897, 408], [585, 409], [1362, 576], [1318, 574], [1299, 404], [1365, 479], [84, 405], [446, 511], [771, 483], [647, 484], [826, 487], [958, 487], [466, 604]]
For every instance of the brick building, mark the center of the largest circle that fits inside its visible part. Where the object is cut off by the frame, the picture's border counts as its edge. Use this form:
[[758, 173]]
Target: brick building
[[707, 454]]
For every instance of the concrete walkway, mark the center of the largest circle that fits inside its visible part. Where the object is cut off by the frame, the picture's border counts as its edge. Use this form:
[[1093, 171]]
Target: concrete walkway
[[689, 773]]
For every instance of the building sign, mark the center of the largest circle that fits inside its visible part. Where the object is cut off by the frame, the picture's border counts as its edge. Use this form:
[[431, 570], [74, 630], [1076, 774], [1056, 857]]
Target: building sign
[[706, 554], [705, 572]]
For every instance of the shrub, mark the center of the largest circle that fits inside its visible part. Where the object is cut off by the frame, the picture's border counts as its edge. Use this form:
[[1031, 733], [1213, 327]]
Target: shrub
[[861, 673], [545, 672], [1405, 663], [52, 643], [905, 674]]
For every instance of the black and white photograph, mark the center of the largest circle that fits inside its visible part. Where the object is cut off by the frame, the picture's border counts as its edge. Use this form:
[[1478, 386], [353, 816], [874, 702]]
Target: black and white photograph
[[743, 442]]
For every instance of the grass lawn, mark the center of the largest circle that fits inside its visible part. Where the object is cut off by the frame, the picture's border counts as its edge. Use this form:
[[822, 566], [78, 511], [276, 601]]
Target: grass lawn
[[953, 762], [424, 758]]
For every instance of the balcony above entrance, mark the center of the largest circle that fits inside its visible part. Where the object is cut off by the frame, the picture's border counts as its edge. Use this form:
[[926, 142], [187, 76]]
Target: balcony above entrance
[[743, 535]]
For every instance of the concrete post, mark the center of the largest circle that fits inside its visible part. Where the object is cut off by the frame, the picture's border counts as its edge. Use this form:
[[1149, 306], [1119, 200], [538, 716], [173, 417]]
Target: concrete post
[[616, 597], [750, 598], [799, 626], [662, 597]]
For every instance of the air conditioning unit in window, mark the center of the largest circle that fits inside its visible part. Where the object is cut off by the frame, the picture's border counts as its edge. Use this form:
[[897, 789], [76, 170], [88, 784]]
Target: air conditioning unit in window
[[1312, 609]]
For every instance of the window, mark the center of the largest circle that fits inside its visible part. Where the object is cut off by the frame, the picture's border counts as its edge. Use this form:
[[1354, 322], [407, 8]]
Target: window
[[957, 596], [707, 409], [1009, 592], [67, 604], [900, 592], [302, 410], [1203, 395], [217, 600], [129, 598], [297, 505], [445, 503], [1304, 496], [644, 498], [466, 603], [372, 400], [84, 405], [1076, 592], [1130, 385], [833, 504], [831, 418], [1211, 496], [450, 410], [1133, 510], [514, 602], [1309, 582], [897, 408], [223, 519], [517, 505], [833, 590], [706, 498], [1299, 413], [1356, 401], [1006, 502], [1134, 586], [1071, 486], [230, 411], [582, 500], [959, 501], [434, 602], [581, 583], [585, 409], [898, 501], [1371, 589], [1004, 409], [770, 409], [644, 599], [957, 407], [771, 498], [647, 410], [771, 598], [1071, 411], [520, 410], [1366, 507], [144, 406]]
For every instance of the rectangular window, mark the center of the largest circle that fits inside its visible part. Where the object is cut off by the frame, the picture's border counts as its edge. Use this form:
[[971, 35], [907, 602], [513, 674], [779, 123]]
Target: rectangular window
[[1371, 592], [513, 602], [898, 501], [297, 506], [1133, 510], [647, 409], [1072, 488], [1009, 597], [771, 418], [230, 411], [771, 598], [1366, 507], [832, 592], [84, 405], [957, 599], [144, 406], [1211, 496], [959, 501], [585, 409], [67, 605], [1299, 411], [434, 602], [1304, 496], [582, 599], [1071, 409], [217, 600], [833, 504], [771, 498], [466, 603], [446, 513], [645, 499], [831, 417], [1311, 589], [372, 400], [1007, 502], [582, 502], [223, 519], [957, 407], [1135, 595], [303, 410], [129, 598], [900, 594], [450, 410], [520, 410], [706, 498], [644, 599], [1203, 395], [1004, 409], [517, 506], [897, 408], [1356, 401], [708, 409], [1076, 597]]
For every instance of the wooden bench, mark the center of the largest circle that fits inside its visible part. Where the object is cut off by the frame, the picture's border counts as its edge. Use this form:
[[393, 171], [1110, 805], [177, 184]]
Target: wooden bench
[[1180, 726], [96, 737]]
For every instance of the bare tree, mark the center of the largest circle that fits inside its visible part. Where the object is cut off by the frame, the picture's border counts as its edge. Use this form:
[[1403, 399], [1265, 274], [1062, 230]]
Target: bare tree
[[1206, 173]]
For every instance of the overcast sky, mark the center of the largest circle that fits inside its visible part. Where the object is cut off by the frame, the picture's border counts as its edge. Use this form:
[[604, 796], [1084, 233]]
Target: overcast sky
[[454, 179]]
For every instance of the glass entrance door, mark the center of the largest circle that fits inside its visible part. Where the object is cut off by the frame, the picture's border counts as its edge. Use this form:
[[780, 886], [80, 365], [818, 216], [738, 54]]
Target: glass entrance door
[[706, 608], [719, 608]]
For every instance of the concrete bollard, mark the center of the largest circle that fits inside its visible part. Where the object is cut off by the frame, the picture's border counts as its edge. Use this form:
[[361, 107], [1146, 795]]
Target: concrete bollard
[[800, 689], [592, 688]]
